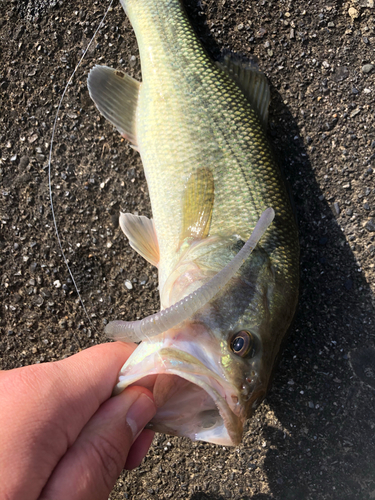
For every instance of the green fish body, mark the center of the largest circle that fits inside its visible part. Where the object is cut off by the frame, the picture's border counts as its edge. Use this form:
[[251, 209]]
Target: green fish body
[[200, 128]]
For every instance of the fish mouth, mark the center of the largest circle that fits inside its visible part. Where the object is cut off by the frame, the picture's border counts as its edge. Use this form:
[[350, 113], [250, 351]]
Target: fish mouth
[[192, 399]]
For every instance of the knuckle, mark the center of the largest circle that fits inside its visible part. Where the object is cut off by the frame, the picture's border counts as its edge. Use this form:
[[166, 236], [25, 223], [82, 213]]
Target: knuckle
[[110, 458]]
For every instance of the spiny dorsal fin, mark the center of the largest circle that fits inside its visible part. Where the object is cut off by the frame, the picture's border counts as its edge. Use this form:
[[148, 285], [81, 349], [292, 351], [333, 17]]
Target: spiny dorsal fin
[[141, 234], [115, 94], [251, 81], [198, 204]]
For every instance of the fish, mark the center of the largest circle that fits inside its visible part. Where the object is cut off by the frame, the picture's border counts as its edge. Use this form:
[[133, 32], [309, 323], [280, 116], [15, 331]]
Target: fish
[[223, 234]]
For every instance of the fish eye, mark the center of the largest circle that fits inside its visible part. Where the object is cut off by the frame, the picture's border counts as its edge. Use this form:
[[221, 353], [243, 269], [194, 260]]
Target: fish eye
[[242, 344]]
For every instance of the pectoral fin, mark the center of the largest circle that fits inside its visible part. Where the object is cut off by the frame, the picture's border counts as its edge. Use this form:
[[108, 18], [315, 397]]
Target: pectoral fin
[[198, 203], [115, 94], [141, 234], [251, 81]]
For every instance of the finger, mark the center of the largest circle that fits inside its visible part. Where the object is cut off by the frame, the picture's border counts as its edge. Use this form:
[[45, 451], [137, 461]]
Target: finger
[[43, 409], [139, 449], [91, 466]]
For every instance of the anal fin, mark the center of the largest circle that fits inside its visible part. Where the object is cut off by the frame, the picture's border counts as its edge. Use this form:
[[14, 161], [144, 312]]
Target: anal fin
[[141, 234], [115, 94]]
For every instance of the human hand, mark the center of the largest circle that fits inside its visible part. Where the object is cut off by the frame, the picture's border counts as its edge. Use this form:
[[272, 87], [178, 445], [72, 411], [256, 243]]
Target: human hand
[[62, 436]]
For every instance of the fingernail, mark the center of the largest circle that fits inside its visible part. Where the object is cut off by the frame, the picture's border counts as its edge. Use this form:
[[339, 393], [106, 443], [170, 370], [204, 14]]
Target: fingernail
[[140, 413]]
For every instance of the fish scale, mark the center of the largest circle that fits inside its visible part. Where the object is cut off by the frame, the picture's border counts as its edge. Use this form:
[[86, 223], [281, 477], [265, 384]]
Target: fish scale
[[191, 115]]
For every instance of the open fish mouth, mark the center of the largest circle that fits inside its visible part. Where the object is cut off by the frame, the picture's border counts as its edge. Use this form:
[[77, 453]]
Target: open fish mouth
[[193, 400]]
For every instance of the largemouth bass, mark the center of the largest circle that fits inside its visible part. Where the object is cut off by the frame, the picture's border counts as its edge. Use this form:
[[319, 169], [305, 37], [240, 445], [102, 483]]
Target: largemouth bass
[[200, 128]]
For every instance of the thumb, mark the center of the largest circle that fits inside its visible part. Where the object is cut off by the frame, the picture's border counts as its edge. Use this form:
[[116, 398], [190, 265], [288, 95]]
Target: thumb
[[91, 466]]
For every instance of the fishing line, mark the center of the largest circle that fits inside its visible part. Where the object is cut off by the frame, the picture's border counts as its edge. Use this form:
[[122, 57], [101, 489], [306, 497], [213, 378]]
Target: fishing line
[[50, 167], [50, 170], [50, 160]]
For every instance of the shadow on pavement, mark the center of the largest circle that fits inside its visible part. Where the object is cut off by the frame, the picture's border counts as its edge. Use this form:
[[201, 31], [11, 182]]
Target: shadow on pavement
[[323, 391]]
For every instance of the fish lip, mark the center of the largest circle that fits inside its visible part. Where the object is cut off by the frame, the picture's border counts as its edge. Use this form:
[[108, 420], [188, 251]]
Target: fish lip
[[229, 415]]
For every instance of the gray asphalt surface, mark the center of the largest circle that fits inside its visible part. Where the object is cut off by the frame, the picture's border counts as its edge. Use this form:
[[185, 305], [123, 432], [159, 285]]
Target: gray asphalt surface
[[313, 438]]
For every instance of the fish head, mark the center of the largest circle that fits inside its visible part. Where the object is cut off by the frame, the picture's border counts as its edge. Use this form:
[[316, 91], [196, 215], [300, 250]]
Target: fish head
[[209, 373]]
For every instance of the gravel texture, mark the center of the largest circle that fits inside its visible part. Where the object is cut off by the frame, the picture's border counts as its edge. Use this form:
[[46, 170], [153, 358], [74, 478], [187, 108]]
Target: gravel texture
[[314, 436]]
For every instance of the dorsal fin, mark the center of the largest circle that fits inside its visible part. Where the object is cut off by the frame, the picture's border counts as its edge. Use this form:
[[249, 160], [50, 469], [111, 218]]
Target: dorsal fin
[[198, 204], [251, 81], [141, 234], [115, 94]]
